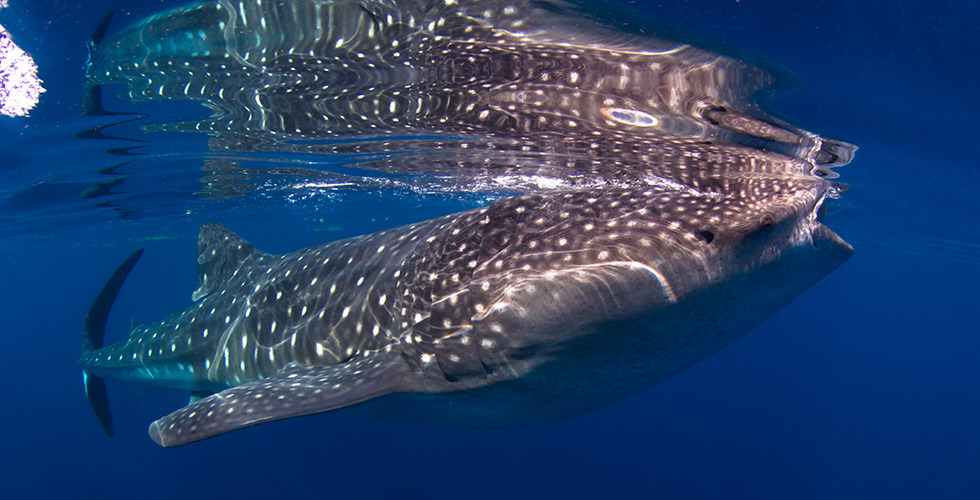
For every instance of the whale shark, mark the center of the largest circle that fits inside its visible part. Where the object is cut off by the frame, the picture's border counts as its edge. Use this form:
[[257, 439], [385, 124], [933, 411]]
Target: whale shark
[[668, 215], [533, 309], [461, 92]]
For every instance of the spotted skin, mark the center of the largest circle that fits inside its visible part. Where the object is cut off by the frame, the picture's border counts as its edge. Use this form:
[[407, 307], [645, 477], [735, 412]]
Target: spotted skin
[[672, 218], [499, 294], [309, 68], [466, 92]]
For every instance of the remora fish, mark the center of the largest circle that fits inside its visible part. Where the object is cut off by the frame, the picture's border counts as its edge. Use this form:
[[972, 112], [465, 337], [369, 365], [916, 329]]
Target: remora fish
[[533, 309]]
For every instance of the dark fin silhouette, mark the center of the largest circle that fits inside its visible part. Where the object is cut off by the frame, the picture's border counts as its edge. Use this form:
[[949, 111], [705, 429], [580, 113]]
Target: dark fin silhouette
[[294, 391], [219, 253], [98, 312], [98, 34], [94, 336], [92, 98], [92, 101], [98, 398]]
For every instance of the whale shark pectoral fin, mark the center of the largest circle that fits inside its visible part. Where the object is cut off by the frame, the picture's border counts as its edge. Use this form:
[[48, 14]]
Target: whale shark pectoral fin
[[294, 391]]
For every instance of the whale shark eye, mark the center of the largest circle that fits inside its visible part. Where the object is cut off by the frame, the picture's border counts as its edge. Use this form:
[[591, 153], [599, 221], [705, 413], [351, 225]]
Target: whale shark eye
[[706, 236], [767, 221], [630, 117]]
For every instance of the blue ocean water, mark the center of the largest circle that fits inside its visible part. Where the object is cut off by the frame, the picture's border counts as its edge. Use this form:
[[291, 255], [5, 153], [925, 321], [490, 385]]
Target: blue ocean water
[[865, 386]]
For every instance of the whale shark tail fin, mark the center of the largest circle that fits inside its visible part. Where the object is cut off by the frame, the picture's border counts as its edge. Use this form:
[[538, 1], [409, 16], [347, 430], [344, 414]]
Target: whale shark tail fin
[[94, 335]]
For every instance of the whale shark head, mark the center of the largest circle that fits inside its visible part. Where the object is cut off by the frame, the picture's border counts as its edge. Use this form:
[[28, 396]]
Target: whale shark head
[[659, 275]]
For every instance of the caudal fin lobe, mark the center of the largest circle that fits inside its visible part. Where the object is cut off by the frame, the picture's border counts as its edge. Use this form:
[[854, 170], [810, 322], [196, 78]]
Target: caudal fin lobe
[[94, 335]]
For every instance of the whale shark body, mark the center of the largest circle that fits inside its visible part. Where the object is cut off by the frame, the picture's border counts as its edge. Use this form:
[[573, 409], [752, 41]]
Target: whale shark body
[[531, 310], [682, 221]]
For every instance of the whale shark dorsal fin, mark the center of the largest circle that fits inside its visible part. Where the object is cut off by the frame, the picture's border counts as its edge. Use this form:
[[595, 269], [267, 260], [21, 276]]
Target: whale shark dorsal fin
[[295, 390], [219, 253]]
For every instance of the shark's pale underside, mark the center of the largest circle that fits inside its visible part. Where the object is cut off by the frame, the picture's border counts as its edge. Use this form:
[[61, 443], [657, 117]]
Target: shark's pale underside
[[683, 221]]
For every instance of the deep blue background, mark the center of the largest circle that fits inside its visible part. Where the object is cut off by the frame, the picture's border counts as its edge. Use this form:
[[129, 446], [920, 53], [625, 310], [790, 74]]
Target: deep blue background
[[866, 386]]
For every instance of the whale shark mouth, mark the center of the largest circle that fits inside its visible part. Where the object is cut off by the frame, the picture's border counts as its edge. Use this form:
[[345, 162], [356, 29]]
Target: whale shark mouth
[[821, 234], [825, 237]]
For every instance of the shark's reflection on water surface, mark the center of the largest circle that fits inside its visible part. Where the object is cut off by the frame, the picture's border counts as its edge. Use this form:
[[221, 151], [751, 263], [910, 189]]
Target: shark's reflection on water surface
[[471, 90], [663, 215]]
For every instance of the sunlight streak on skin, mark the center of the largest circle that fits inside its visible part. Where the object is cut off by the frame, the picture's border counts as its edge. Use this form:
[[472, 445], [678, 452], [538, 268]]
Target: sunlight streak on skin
[[591, 270]]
